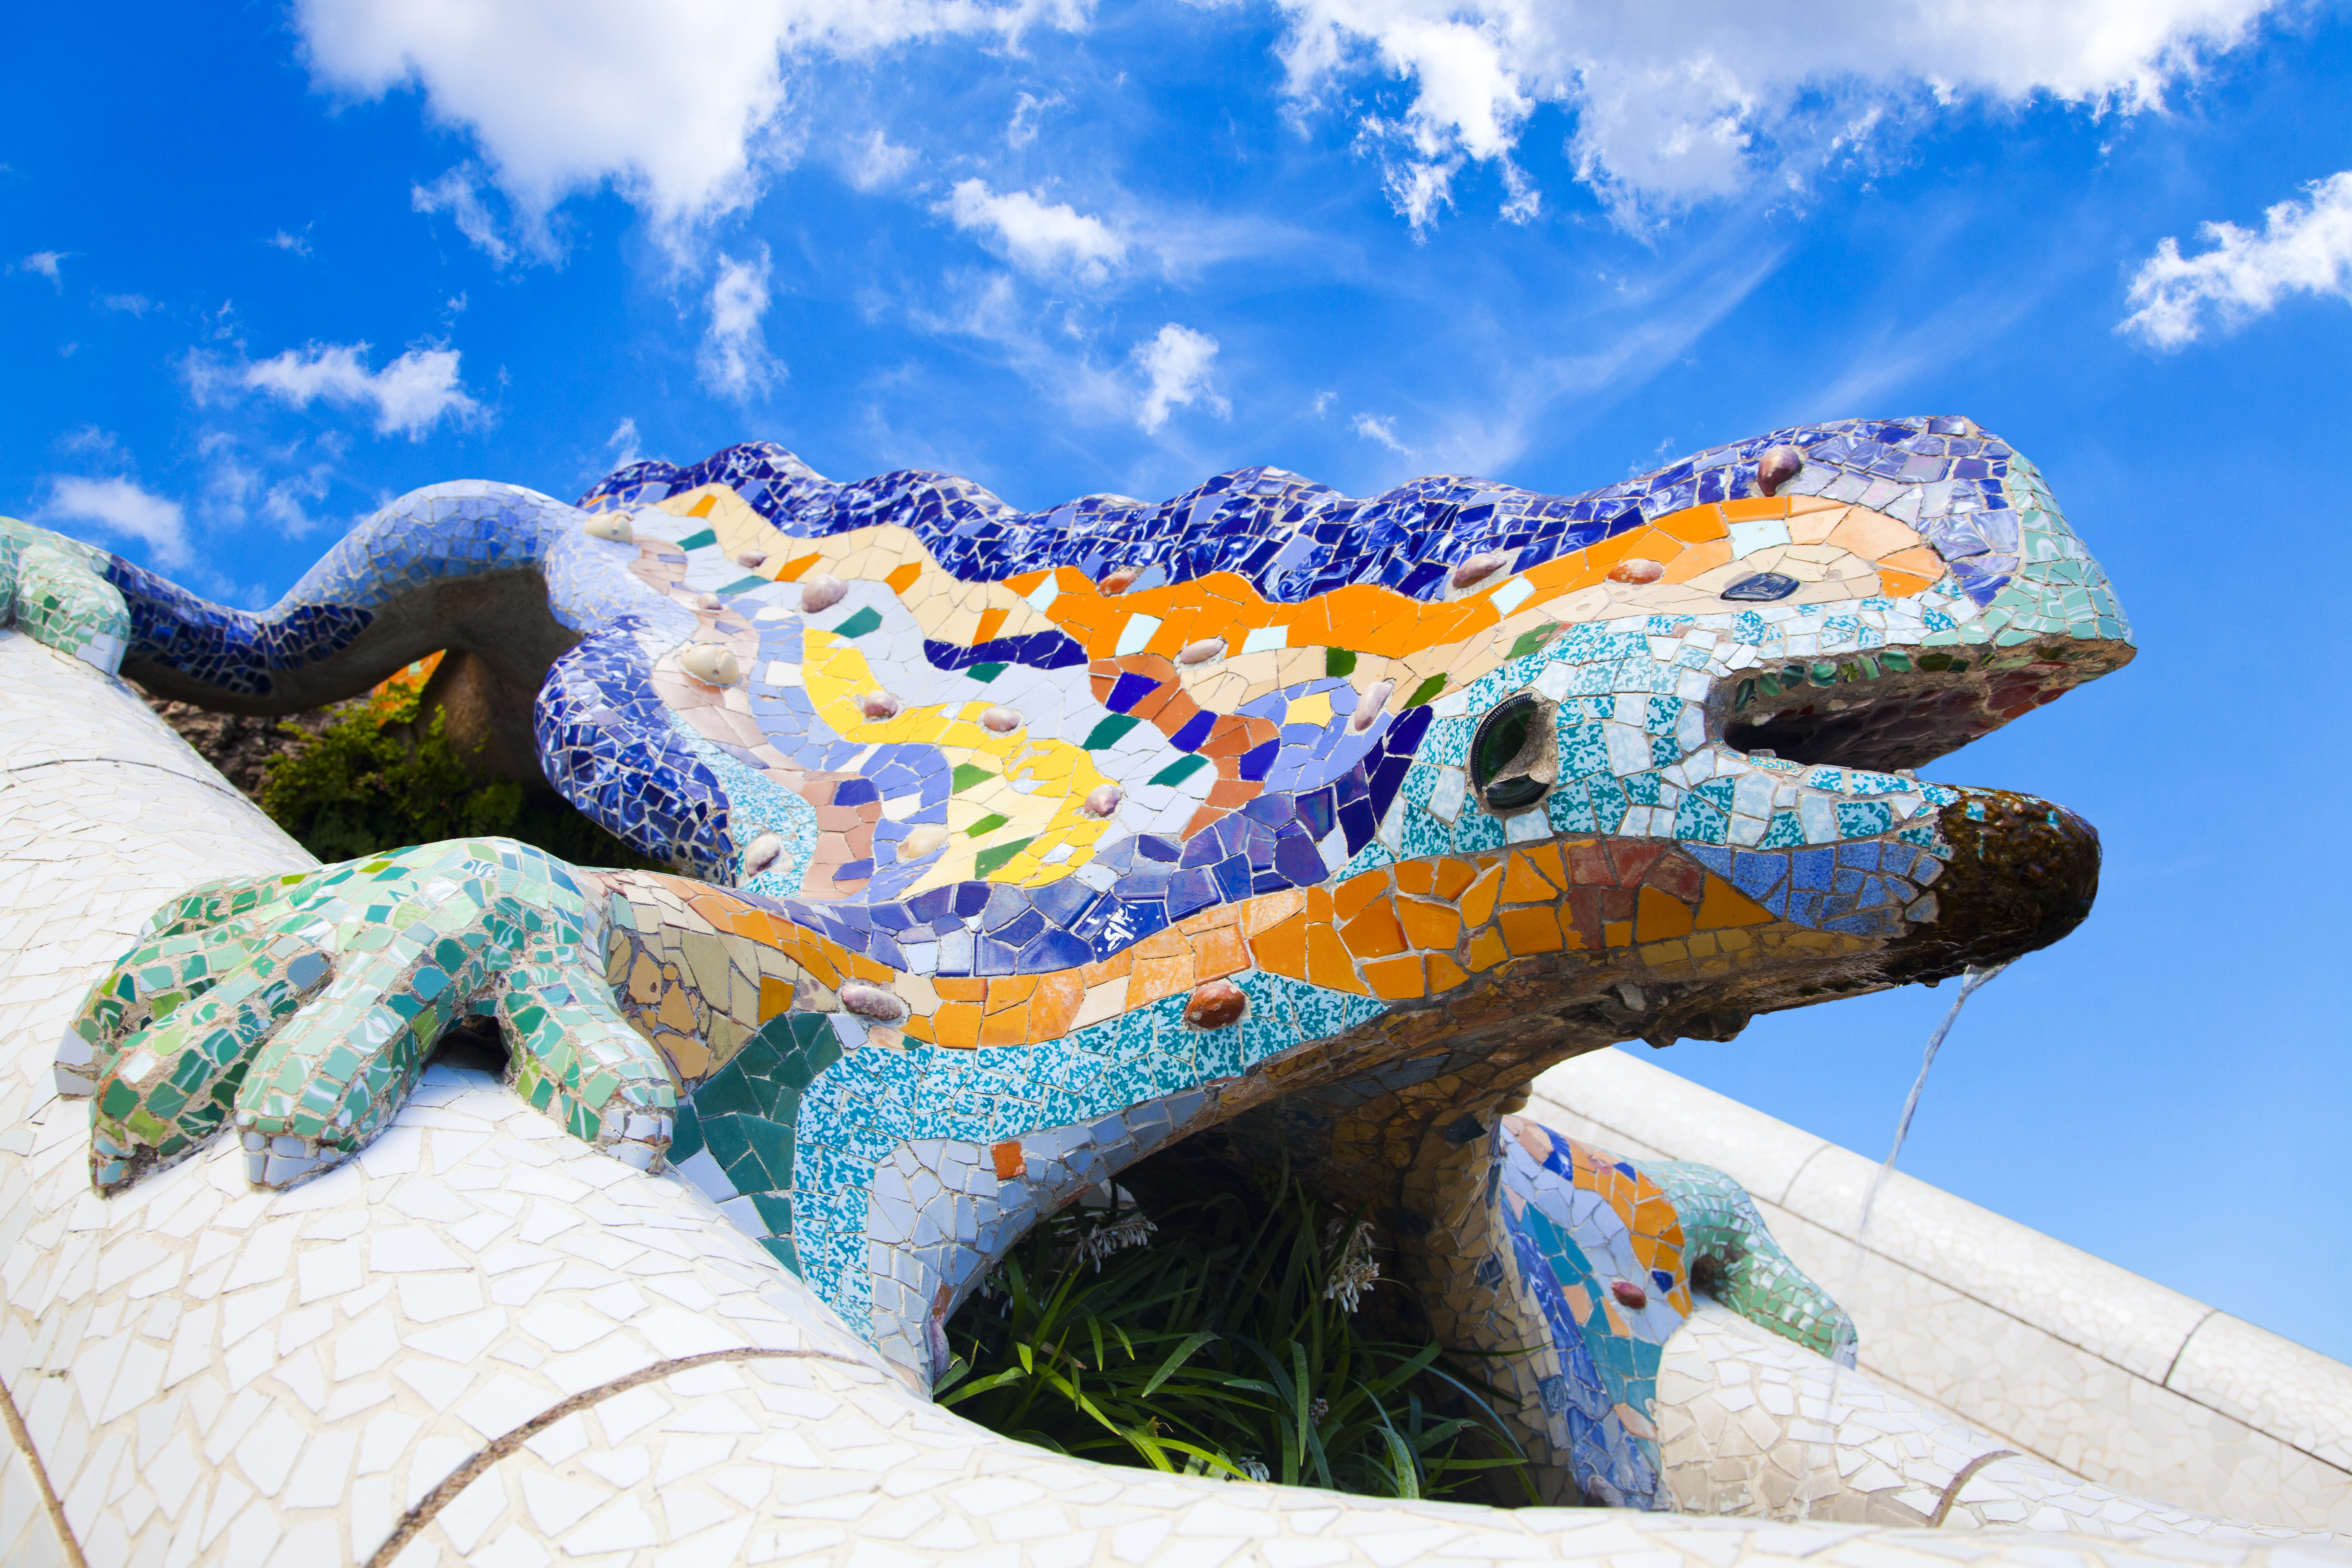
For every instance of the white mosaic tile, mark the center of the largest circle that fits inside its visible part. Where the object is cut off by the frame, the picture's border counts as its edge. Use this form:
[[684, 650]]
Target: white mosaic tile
[[2056, 1354]]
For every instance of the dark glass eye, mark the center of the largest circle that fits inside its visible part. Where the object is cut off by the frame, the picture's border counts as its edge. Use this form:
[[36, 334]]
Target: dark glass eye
[[1762, 585], [1520, 790], [1497, 746]]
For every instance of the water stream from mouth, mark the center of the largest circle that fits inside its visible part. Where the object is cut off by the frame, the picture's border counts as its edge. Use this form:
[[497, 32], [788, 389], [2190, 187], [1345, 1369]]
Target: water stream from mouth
[[1973, 981]]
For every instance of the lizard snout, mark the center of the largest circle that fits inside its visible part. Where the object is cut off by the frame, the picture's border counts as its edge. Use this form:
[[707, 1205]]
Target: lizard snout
[[2024, 873]]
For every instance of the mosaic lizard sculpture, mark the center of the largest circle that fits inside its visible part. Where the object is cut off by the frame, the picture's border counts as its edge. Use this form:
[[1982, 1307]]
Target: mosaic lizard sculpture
[[1012, 848]]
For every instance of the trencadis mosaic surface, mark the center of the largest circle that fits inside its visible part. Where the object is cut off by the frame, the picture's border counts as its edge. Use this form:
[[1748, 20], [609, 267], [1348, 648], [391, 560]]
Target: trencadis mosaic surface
[[1012, 848]]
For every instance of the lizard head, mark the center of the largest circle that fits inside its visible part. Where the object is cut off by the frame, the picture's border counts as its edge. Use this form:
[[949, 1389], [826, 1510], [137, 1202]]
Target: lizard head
[[1755, 676], [1638, 762]]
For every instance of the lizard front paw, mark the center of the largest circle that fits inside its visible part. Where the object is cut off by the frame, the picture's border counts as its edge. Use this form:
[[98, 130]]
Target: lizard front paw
[[300, 1010]]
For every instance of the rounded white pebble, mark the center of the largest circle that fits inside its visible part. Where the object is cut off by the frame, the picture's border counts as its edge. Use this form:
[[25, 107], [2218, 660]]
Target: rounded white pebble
[[921, 840], [872, 1002], [1104, 800], [1368, 706], [1479, 568], [822, 592], [762, 853], [1201, 652], [1003, 720], [710, 664]]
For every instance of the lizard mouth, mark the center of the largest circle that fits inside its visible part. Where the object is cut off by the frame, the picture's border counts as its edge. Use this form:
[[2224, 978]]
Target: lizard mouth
[[2023, 872], [1897, 708]]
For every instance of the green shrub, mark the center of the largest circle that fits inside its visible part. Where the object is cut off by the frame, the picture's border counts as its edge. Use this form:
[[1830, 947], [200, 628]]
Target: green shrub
[[1220, 1337], [373, 779]]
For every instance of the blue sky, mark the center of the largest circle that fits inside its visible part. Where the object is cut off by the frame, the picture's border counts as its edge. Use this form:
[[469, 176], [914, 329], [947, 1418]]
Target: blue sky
[[272, 266]]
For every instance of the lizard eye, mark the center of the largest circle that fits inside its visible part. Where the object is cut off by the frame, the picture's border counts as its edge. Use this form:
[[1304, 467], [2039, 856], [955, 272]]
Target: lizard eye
[[1512, 759]]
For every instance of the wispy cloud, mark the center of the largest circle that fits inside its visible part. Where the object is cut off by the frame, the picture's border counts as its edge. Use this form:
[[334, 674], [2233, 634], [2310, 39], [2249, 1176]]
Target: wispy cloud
[[987, 307], [412, 393], [299, 244], [1028, 109], [46, 264], [283, 504], [458, 192], [1176, 362], [874, 161], [129, 304], [622, 446], [1382, 430], [736, 362], [120, 507], [1046, 238], [2304, 247]]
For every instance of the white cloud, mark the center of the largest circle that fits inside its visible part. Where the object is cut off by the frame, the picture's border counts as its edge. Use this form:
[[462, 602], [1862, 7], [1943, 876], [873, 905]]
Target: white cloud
[[120, 507], [299, 244], [735, 358], [1683, 102], [1382, 430], [666, 103], [2305, 247], [1176, 362], [621, 446], [1038, 237], [458, 194], [45, 262], [129, 304], [413, 393]]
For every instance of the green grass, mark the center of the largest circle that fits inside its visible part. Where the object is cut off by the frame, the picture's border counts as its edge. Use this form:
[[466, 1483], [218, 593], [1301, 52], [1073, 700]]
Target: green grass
[[1223, 1337]]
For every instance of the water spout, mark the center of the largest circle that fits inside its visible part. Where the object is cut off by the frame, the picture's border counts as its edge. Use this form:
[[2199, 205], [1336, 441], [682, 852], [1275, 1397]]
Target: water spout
[[1973, 981], [1843, 1349]]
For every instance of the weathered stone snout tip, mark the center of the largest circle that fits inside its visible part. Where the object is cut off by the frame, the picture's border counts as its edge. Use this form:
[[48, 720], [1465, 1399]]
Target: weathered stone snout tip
[[2023, 874]]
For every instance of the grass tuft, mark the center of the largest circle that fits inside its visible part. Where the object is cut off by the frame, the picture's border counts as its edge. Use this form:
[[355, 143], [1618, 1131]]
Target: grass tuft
[[1223, 1336]]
